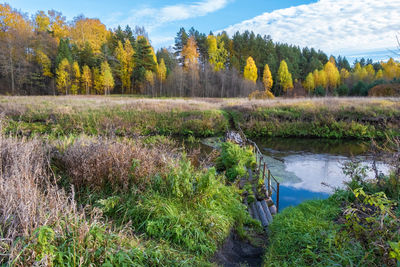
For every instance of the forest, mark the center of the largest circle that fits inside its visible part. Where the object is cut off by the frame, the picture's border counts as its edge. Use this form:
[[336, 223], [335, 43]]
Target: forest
[[47, 55]]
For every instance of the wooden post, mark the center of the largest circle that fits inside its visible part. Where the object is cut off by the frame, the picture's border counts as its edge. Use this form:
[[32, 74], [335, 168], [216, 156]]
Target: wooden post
[[263, 177], [269, 183], [277, 197]]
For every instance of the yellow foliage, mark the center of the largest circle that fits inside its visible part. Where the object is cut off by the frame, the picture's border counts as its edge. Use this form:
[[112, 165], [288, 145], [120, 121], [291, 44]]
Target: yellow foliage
[[391, 69], [76, 77], [309, 83], [42, 22], [149, 77], [90, 31], [267, 78], [250, 70], [124, 54], [86, 78], [190, 54], [285, 77], [332, 75], [45, 63], [261, 95], [107, 79], [63, 79], [344, 75], [162, 71]]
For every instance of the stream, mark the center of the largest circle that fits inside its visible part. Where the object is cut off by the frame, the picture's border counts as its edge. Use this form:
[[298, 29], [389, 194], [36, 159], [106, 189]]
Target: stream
[[311, 168]]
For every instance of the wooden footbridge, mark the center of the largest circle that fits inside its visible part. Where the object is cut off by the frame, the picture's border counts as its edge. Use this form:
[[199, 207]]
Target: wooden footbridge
[[263, 207]]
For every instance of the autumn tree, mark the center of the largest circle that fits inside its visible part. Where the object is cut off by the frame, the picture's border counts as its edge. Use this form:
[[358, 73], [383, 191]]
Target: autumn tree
[[92, 31], [191, 64], [379, 75], [309, 83], [391, 69], [75, 78], [344, 75], [267, 78], [42, 22], [86, 78], [332, 76], [124, 54], [217, 53], [58, 26], [63, 77], [190, 54], [15, 32], [97, 81], [161, 73], [250, 70], [370, 72], [284, 77], [107, 79]]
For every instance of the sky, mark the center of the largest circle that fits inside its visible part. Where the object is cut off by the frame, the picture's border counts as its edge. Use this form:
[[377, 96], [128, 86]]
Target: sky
[[353, 28]]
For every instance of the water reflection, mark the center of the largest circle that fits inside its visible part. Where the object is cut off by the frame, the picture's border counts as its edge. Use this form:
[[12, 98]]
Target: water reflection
[[306, 166]]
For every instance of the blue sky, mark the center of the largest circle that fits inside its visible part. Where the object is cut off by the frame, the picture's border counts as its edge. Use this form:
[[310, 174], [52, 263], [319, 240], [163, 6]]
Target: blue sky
[[348, 27]]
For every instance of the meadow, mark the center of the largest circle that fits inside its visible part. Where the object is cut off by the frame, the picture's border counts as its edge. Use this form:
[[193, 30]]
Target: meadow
[[106, 181]]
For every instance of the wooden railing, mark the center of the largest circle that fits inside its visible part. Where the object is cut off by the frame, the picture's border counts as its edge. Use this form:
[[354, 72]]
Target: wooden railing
[[266, 173], [262, 164]]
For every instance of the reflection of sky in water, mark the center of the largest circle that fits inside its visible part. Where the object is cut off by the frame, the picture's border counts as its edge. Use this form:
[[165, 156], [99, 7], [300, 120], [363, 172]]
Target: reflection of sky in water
[[308, 171]]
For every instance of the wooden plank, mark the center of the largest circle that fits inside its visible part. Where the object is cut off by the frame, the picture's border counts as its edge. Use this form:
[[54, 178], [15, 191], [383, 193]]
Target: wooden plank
[[261, 213], [266, 210], [273, 209], [254, 211]]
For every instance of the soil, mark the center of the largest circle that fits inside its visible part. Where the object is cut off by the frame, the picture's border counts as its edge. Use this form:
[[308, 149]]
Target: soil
[[237, 252]]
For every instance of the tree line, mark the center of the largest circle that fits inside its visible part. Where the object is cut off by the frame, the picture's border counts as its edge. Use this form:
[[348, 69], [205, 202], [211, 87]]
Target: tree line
[[46, 54]]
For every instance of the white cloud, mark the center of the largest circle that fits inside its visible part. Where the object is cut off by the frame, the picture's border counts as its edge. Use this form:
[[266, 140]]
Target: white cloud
[[335, 26], [152, 18]]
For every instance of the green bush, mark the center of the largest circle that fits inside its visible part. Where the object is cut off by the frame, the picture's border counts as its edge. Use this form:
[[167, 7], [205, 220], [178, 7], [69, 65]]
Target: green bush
[[235, 160], [320, 91]]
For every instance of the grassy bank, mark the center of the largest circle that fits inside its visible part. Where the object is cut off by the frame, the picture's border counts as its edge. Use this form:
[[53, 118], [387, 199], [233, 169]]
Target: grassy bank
[[321, 118], [112, 202], [358, 118]]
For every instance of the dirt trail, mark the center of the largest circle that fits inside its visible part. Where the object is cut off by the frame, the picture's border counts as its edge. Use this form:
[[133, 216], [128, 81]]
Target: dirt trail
[[237, 252]]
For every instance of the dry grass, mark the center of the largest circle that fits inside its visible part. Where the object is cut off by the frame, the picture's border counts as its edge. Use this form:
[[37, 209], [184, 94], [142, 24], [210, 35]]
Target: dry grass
[[99, 162], [29, 198], [70, 104]]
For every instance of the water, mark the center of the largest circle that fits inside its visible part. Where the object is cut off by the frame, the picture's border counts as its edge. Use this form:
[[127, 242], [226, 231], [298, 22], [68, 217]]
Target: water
[[312, 168]]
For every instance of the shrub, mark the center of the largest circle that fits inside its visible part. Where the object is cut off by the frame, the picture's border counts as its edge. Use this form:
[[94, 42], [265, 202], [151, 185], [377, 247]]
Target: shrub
[[319, 91], [261, 95], [342, 90], [385, 90], [97, 163], [235, 160], [360, 89]]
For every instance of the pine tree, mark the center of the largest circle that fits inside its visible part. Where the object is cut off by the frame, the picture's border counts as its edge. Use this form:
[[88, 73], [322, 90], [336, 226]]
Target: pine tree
[[250, 70], [284, 77]]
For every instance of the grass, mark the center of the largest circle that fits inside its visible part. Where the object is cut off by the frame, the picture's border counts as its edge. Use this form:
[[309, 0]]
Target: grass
[[337, 118], [357, 226], [102, 201]]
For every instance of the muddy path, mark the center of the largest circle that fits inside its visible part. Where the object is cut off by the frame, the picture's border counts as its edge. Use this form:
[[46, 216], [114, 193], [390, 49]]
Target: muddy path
[[237, 252]]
